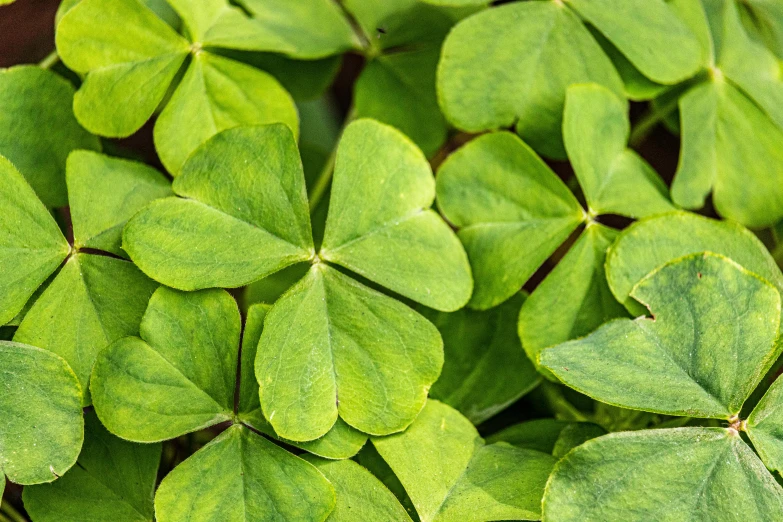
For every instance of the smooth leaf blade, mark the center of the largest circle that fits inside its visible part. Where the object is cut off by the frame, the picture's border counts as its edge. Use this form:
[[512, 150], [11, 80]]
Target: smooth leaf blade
[[113, 480], [379, 223], [653, 242], [128, 71], [354, 352], [31, 244], [718, 477], [244, 214], [700, 355], [218, 94], [512, 212], [42, 429], [765, 426], [512, 64], [104, 192], [37, 116], [577, 290], [241, 476], [615, 180], [648, 33], [93, 301], [485, 368]]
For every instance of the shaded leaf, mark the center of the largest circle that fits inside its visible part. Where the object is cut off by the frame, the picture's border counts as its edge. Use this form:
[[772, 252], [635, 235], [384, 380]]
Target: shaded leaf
[[214, 95], [548, 435], [104, 192], [700, 355], [765, 427], [38, 129], [485, 368], [113, 480], [511, 209]]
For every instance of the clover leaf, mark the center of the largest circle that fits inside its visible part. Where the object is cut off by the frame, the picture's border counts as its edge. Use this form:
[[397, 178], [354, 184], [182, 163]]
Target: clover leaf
[[451, 475], [552, 436], [485, 368], [718, 477], [37, 116], [181, 376], [512, 64], [652, 242], [226, 232], [94, 299], [129, 72], [42, 429], [31, 244], [700, 355], [113, 480]]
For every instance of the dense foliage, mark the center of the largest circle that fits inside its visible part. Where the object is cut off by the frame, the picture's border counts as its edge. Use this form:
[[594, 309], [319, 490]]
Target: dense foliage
[[465, 297]]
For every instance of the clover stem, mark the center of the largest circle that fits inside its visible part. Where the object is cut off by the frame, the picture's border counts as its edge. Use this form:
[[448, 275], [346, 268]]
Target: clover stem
[[559, 404], [325, 177], [649, 121], [51, 59], [8, 513]]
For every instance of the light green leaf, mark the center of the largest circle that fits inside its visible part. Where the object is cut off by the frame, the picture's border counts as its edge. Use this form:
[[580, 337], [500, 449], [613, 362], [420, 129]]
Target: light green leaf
[[92, 302], [652, 242], [113, 481], [40, 404], [204, 17], [615, 180], [305, 29], [37, 117], [548, 435], [511, 209], [744, 175], [380, 224], [217, 94], [340, 442], [627, 477], [574, 299], [451, 475], [637, 86], [31, 244], [648, 33], [765, 426], [353, 351], [457, 3], [512, 64], [399, 89], [765, 19], [242, 476], [104, 192], [360, 496], [485, 368], [754, 69], [128, 70], [700, 355], [245, 215], [180, 378]]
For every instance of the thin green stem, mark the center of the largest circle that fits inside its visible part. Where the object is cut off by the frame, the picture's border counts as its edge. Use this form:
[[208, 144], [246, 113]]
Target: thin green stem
[[325, 177], [649, 121], [50, 60], [9, 514], [560, 405]]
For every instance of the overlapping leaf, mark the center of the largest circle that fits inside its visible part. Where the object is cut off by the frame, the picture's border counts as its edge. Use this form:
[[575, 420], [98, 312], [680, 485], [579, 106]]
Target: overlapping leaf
[[718, 477], [129, 72], [31, 244], [485, 368], [700, 355], [548, 435], [511, 65], [451, 475], [38, 129], [113, 480], [42, 429]]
